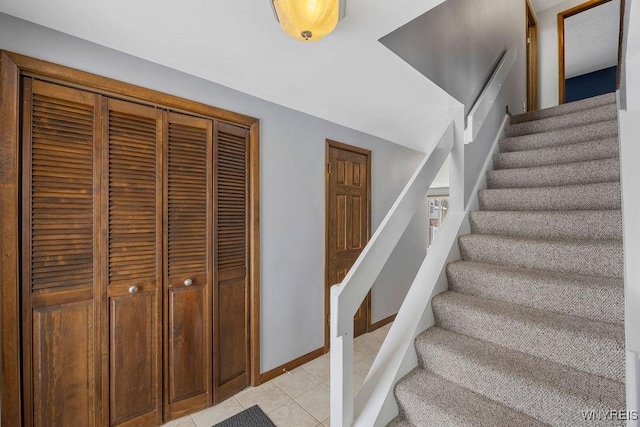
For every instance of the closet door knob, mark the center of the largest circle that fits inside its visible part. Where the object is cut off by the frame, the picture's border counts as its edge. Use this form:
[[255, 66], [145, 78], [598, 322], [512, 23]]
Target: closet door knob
[[188, 282], [133, 289]]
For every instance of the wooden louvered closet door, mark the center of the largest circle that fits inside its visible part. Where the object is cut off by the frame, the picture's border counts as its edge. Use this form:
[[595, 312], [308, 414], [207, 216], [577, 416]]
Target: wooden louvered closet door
[[189, 263], [231, 294], [135, 295], [133, 211], [60, 255]]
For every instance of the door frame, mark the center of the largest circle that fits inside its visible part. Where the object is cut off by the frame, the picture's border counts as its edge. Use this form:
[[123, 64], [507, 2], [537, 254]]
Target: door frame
[[561, 48], [12, 67], [532, 51], [327, 296]]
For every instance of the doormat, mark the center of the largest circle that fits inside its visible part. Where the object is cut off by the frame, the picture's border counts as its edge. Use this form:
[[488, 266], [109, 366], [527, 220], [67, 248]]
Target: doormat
[[251, 417]]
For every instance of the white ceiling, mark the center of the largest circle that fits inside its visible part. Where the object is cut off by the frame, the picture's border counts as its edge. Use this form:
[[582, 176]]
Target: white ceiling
[[540, 5], [591, 39], [348, 77]]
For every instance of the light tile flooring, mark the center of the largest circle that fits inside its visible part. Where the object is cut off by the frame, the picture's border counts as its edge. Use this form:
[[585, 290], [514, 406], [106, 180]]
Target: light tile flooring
[[299, 398]]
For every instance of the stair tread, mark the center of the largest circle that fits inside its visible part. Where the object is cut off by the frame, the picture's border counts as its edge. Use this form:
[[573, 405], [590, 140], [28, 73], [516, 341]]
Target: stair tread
[[433, 399], [399, 422], [590, 171], [591, 257], [605, 195], [561, 293], [587, 345], [581, 151], [545, 390], [576, 224], [575, 118], [570, 135], [569, 107]]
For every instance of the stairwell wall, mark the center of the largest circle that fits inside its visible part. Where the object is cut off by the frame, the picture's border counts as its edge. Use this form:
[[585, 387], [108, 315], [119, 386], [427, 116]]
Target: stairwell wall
[[457, 45], [292, 146]]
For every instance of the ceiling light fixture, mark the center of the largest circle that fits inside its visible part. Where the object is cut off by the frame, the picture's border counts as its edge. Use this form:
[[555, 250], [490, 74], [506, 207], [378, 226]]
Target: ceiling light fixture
[[308, 20]]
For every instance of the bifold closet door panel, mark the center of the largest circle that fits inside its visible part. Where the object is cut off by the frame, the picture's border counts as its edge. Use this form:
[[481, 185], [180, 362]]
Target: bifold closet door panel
[[133, 247], [189, 263], [60, 255], [231, 295]]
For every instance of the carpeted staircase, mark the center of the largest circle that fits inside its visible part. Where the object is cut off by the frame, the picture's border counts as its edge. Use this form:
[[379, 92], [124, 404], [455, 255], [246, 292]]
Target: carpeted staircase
[[531, 331]]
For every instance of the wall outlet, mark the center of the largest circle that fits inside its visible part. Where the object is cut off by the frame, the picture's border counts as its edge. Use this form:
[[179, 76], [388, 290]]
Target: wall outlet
[[524, 107]]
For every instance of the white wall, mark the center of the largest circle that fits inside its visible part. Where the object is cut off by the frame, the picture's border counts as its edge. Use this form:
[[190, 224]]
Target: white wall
[[548, 53], [630, 177], [292, 188]]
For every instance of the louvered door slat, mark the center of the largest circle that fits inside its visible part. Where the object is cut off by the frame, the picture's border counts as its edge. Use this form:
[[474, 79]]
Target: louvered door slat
[[60, 266], [62, 146], [134, 271], [188, 263], [232, 189]]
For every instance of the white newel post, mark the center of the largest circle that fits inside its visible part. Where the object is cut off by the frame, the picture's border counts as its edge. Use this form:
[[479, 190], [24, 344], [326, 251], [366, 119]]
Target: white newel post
[[341, 358], [456, 163]]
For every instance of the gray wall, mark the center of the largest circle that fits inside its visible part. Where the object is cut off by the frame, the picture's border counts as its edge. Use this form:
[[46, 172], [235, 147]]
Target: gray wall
[[457, 45], [292, 188]]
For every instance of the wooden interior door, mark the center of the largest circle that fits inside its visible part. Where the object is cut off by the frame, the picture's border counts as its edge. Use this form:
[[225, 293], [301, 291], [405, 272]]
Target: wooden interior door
[[60, 259], [532, 59], [348, 220], [231, 294], [132, 207], [189, 264]]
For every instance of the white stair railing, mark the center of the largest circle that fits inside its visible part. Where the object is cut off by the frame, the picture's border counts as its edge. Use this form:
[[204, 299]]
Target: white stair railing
[[347, 296]]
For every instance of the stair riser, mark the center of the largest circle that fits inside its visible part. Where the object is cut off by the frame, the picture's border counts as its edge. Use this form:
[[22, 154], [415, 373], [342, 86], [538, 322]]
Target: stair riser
[[580, 296], [593, 115], [603, 196], [527, 332], [592, 150], [581, 225], [564, 109], [590, 132], [537, 399], [607, 170], [600, 258]]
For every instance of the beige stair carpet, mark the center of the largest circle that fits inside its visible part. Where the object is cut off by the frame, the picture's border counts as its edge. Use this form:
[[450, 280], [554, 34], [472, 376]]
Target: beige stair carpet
[[531, 330]]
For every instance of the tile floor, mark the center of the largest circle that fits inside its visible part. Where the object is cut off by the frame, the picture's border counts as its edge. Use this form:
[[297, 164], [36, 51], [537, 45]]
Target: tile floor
[[299, 398]]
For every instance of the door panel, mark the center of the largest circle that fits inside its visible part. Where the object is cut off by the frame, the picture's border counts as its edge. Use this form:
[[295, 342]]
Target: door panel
[[63, 340], [232, 308], [231, 293], [134, 250], [133, 378], [60, 266], [189, 261], [186, 322], [348, 219]]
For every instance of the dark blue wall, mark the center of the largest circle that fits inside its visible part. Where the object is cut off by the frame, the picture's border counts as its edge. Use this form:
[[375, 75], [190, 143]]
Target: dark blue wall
[[591, 84]]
